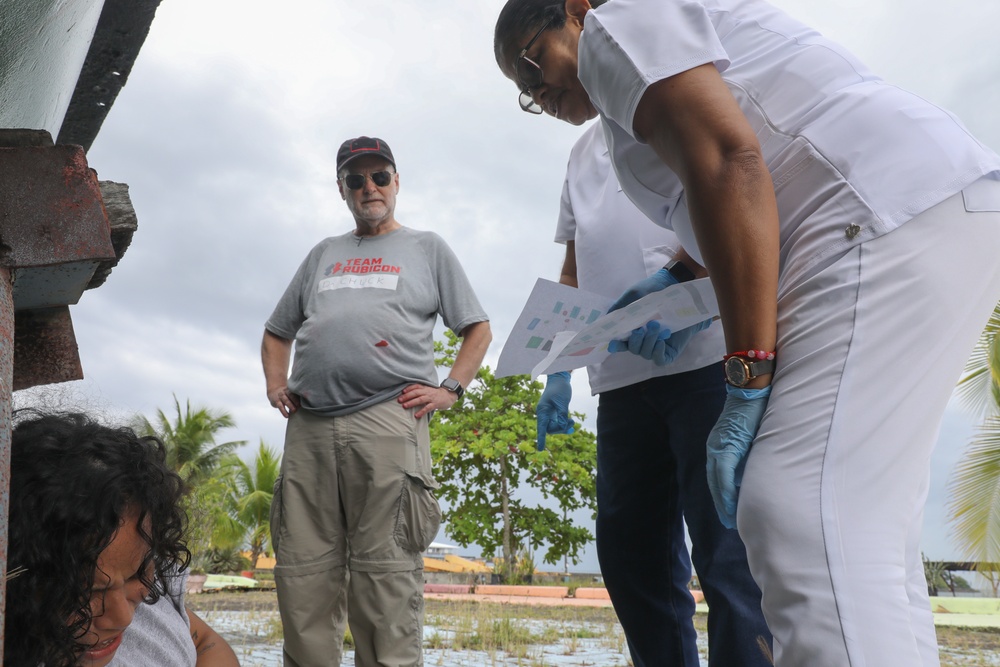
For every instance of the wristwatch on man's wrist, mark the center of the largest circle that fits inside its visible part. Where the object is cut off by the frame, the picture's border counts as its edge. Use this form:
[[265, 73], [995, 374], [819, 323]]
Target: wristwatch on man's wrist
[[679, 270], [454, 386], [741, 368]]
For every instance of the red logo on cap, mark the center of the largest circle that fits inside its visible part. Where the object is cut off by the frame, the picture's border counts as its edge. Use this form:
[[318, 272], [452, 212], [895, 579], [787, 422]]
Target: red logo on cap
[[355, 148]]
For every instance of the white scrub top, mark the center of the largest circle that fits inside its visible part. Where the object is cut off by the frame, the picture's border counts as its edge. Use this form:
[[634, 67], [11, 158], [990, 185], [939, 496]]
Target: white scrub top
[[851, 156], [617, 246]]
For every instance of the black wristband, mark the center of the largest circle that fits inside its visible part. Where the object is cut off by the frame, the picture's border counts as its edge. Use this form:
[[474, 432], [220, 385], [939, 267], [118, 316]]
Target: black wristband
[[678, 270], [454, 386]]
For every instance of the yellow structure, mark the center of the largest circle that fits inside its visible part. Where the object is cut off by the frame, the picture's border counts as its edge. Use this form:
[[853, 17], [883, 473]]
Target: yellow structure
[[450, 563], [263, 562], [453, 563]]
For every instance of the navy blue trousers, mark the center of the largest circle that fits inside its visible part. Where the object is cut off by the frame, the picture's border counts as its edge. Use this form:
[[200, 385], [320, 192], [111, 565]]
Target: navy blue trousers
[[650, 480]]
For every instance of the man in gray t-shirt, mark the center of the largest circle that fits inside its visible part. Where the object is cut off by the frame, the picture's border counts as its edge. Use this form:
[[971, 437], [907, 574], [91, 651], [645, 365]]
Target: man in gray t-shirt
[[354, 505]]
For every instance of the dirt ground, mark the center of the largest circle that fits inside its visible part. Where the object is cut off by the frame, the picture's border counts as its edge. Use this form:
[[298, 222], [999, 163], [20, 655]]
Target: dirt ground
[[229, 600]]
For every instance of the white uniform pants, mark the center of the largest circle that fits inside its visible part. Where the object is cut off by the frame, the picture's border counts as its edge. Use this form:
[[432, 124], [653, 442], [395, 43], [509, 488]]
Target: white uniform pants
[[870, 347]]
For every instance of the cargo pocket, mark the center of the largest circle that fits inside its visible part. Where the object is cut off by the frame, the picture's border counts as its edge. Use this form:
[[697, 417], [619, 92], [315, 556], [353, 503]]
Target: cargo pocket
[[275, 515], [418, 515]]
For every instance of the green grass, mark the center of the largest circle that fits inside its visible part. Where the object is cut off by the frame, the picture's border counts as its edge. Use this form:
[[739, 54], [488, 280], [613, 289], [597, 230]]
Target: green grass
[[950, 605]]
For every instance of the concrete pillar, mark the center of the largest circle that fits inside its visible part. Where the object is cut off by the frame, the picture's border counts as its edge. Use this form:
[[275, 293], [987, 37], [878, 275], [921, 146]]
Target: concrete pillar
[[54, 234], [43, 46]]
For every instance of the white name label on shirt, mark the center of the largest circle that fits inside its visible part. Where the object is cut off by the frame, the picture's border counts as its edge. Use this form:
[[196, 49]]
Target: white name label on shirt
[[359, 282]]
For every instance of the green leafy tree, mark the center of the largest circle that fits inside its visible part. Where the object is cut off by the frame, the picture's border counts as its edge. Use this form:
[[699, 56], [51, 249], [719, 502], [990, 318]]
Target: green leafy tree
[[205, 509], [248, 494], [192, 451], [959, 583], [935, 574], [226, 559], [484, 452], [974, 504], [190, 439]]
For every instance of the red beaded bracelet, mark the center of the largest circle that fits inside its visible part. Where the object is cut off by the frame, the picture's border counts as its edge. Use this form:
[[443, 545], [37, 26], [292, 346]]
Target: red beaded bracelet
[[752, 354]]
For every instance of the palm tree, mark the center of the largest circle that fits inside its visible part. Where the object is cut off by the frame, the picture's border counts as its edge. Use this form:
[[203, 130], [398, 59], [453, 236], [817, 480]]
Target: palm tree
[[974, 504], [249, 490], [190, 439]]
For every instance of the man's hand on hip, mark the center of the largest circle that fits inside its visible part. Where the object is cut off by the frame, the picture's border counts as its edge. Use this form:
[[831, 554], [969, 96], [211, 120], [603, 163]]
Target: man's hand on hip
[[427, 398], [284, 400]]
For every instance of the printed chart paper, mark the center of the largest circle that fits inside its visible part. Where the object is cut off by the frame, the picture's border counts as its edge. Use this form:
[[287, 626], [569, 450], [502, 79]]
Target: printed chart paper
[[562, 328]]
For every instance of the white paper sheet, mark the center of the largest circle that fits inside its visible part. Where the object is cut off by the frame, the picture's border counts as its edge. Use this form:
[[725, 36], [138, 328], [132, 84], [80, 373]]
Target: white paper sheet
[[562, 328]]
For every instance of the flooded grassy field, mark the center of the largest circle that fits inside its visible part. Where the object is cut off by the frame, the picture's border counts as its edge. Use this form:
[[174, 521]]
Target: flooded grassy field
[[474, 634]]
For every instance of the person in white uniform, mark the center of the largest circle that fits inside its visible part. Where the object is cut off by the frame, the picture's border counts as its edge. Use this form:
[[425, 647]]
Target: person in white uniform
[[850, 230], [652, 421]]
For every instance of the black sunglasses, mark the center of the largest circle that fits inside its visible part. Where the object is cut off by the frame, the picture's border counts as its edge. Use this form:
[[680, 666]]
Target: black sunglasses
[[529, 73], [357, 181]]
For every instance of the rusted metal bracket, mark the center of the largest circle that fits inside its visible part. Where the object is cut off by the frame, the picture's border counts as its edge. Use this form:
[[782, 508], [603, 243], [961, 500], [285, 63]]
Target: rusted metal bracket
[[54, 235]]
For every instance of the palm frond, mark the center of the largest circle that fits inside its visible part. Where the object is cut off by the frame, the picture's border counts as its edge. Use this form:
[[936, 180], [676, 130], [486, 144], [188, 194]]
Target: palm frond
[[979, 387], [974, 503]]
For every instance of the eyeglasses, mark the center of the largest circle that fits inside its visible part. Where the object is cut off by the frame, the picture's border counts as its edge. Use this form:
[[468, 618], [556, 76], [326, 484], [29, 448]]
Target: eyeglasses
[[529, 74], [357, 181]]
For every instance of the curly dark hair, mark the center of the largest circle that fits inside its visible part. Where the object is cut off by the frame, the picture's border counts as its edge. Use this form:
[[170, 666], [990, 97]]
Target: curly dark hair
[[73, 481]]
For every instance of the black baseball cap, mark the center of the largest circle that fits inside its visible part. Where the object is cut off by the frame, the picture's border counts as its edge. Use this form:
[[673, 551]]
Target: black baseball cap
[[354, 148]]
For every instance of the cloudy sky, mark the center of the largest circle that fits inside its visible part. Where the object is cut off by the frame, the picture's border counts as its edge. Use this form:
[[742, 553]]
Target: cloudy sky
[[226, 134]]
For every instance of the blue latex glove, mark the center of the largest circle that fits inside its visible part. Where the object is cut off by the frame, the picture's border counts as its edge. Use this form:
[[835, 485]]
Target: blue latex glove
[[728, 446], [552, 411], [662, 279], [661, 346]]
